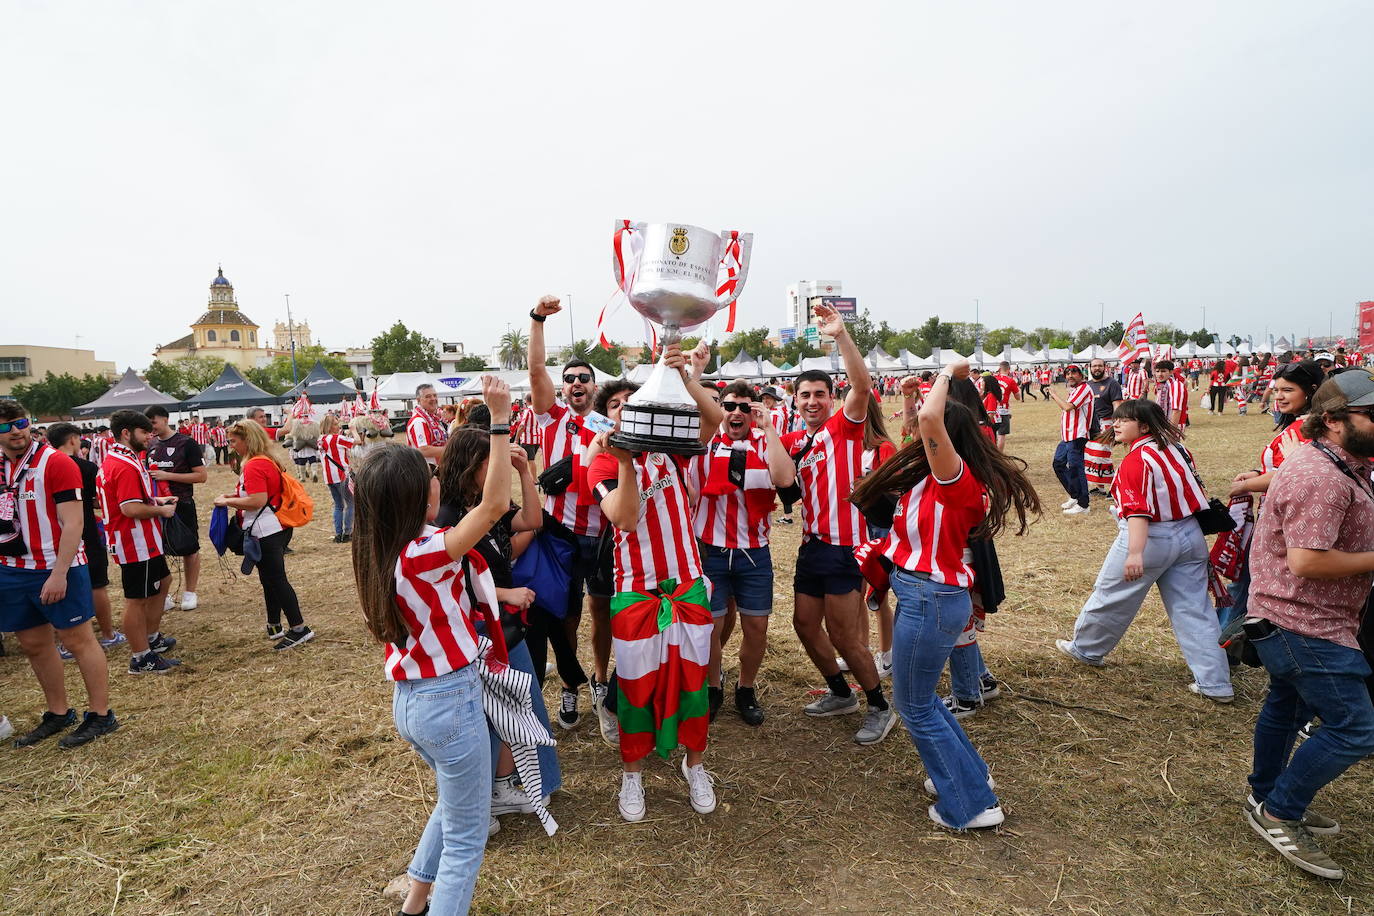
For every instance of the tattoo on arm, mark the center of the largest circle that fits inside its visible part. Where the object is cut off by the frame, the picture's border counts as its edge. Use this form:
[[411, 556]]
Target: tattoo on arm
[[932, 446]]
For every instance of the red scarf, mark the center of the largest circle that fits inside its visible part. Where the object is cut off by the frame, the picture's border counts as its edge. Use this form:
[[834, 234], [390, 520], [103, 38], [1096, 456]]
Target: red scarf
[[750, 475]]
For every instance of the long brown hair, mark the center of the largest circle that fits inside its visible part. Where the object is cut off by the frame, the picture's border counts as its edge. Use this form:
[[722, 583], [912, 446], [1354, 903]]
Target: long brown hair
[[391, 496], [875, 427], [459, 485], [255, 437], [1009, 490]]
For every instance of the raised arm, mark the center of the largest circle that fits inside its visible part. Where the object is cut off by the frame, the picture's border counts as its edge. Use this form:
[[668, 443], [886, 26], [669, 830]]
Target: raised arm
[[531, 514], [621, 505], [860, 382], [540, 386], [495, 503], [940, 454]]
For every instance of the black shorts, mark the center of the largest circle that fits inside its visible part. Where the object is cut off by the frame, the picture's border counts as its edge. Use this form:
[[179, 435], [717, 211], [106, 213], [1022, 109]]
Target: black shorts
[[530, 451], [186, 512], [1004, 425], [826, 569], [97, 560], [142, 579]]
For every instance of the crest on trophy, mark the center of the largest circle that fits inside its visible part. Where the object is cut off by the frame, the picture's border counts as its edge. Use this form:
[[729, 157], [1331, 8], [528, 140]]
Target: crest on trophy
[[677, 276]]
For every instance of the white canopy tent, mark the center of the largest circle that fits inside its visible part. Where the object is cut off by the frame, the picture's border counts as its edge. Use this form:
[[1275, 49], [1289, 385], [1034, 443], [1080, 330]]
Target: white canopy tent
[[1019, 357], [880, 361], [1058, 355], [823, 363], [1095, 351], [772, 371], [742, 366], [400, 386]]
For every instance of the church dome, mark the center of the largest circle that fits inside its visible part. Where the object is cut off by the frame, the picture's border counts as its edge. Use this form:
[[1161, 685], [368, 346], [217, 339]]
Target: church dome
[[221, 280]]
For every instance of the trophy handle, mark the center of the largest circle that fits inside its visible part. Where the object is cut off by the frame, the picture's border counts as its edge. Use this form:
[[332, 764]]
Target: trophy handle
[[626, 247], [738, 245]]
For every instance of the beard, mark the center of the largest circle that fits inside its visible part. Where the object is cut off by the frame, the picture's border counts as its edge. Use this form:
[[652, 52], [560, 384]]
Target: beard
[[1097, 374], [1359, 444]]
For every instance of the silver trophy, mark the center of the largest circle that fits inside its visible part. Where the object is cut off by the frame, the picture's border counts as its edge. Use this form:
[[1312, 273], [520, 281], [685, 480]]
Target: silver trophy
[[677, 276]]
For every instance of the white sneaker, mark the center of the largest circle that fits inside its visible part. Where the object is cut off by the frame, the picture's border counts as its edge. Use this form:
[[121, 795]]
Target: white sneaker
[[884, 662], [631, 797], [610, 729], [989, 818], [189, 601], [493, 827], [1068, 502], [171, 603], [507, 799], [6, 729], [701, 789], [1222, 698], [1077, 510]]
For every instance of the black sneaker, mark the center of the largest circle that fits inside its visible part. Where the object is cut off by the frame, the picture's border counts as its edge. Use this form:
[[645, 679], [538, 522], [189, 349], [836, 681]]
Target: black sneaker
[[49, 725], [568, 716], [748, 705], [91, 727], [151, 663], [161, 643], [294, 637], [274, 631], [715, 698]]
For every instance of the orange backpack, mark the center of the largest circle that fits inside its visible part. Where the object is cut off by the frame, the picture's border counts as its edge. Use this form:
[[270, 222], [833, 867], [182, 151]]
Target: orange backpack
[[296, 508]]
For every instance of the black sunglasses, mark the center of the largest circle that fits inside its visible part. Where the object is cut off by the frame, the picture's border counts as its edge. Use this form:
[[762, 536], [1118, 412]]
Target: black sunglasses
[[18, 423], [729, 406], [571, 377], [1366, 412]]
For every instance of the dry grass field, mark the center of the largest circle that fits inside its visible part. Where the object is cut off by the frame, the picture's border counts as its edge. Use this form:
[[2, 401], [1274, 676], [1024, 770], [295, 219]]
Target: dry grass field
[[250, 781]]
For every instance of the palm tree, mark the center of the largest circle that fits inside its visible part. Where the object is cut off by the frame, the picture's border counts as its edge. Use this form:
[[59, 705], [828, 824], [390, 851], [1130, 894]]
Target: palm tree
[[514, 349]]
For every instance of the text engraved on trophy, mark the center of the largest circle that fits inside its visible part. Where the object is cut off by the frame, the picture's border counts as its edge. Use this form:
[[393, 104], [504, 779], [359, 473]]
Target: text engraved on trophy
[[663, 267]]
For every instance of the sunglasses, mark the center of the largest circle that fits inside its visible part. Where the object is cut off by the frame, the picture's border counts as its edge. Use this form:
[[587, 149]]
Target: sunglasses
[[1366, 412], [571, 377], [20, 423], [728, 406]]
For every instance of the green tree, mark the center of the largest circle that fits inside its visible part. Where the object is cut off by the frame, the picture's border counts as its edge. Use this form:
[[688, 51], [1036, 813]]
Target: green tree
[[282, 377], [56, 395], [795, 352], [470, 364], [166, 377], [598, 356], [197, 372], [266, 379], [999, 339], [400, 349], [1202, 337], [866, 334], [753, 342], [513, 350]]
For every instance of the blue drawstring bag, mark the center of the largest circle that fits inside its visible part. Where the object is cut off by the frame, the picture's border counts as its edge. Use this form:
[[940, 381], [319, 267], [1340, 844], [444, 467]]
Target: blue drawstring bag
[[546, 568], [219, 529]]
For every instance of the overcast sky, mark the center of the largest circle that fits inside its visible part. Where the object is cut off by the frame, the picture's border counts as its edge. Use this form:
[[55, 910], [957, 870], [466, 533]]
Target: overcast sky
[[445, 164]]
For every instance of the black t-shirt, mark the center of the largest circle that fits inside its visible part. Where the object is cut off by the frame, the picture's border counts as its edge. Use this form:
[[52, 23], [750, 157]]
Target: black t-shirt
[[495, 546], [1104, 393], [179, 454], [88, 485]]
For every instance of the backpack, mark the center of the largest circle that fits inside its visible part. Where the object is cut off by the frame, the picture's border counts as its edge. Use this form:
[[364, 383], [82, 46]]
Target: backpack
[[296, 508]]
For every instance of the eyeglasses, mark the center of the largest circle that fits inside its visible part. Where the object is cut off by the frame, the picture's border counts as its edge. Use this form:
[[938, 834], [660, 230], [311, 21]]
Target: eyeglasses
[[18, 423], [571, 377], [1366, 412], [728, 406]]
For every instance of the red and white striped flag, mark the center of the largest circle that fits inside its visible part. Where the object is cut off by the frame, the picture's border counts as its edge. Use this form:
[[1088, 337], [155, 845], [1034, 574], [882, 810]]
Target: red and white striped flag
[[1135, 343], [376, 404], [359, 405], [301, 410]]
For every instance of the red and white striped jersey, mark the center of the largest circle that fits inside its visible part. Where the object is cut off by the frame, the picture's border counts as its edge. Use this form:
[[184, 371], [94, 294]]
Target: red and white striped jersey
[[33, 487], [432, 595], [425, 428], [1097, 463], [100, 445], [1074, 424], [782, 420], [728, 514], [826, 475], [334, 450], [1044, 376], [124, 478], [564, 435], [219, 436], [200, 433], [661, 546], [931, 525], [1281, 446], [1172, 395], [1156, 482], [1136, 384], [1009, 390], [526, 430], [874, 457]]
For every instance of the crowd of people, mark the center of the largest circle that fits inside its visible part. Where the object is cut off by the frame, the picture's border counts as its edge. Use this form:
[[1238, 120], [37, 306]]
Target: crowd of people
[[477, 598]]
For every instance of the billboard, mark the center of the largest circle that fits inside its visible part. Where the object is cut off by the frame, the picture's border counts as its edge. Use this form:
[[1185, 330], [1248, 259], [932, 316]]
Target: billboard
[[1366, 326], [848, 307], [787, 335]]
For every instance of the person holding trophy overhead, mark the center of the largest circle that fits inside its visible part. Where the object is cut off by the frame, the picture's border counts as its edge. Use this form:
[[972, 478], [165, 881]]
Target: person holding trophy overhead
[[829, 609], [661, 620]]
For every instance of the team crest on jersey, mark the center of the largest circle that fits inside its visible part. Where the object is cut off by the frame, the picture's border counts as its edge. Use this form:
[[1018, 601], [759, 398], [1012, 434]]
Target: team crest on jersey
[[679, 243], [573, 428]]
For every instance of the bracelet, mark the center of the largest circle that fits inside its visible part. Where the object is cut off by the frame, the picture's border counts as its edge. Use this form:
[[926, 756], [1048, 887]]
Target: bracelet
[[499, 429], [539, 318]]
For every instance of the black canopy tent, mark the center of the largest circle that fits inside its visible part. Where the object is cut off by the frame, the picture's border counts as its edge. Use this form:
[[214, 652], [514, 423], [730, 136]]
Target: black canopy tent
[[321, 387], [129, 393], [231, 389]]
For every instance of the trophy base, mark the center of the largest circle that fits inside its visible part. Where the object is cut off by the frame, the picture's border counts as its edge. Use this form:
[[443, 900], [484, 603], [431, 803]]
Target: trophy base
[[671, 430]]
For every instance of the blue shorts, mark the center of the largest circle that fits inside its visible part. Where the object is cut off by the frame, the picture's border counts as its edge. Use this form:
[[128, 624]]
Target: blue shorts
[[742, 573], [826, 569], [21, 609]]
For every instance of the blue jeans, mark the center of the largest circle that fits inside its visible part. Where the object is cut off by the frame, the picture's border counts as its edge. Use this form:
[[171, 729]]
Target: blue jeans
[[1239, 591], [928, 619], [442, 719], [1176, 560], [343, 507], [1068, 467], [966, 673], [1308, 678]]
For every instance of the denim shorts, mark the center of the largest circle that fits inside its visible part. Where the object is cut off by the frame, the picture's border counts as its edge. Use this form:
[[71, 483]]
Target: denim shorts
[[826, 569], [742, 573], [593, 570], [21, 607]]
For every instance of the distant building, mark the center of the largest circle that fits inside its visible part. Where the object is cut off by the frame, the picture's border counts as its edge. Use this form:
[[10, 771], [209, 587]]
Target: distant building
[[283, 332], [802, 295], [222, 332], [21, 364]]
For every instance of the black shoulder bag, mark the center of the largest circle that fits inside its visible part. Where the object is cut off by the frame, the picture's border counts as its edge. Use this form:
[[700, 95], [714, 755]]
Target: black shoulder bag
[[1212, 518]]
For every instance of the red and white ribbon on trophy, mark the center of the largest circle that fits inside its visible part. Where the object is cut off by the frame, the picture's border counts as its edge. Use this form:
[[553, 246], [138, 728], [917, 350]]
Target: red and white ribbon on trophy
[[730, 264]]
